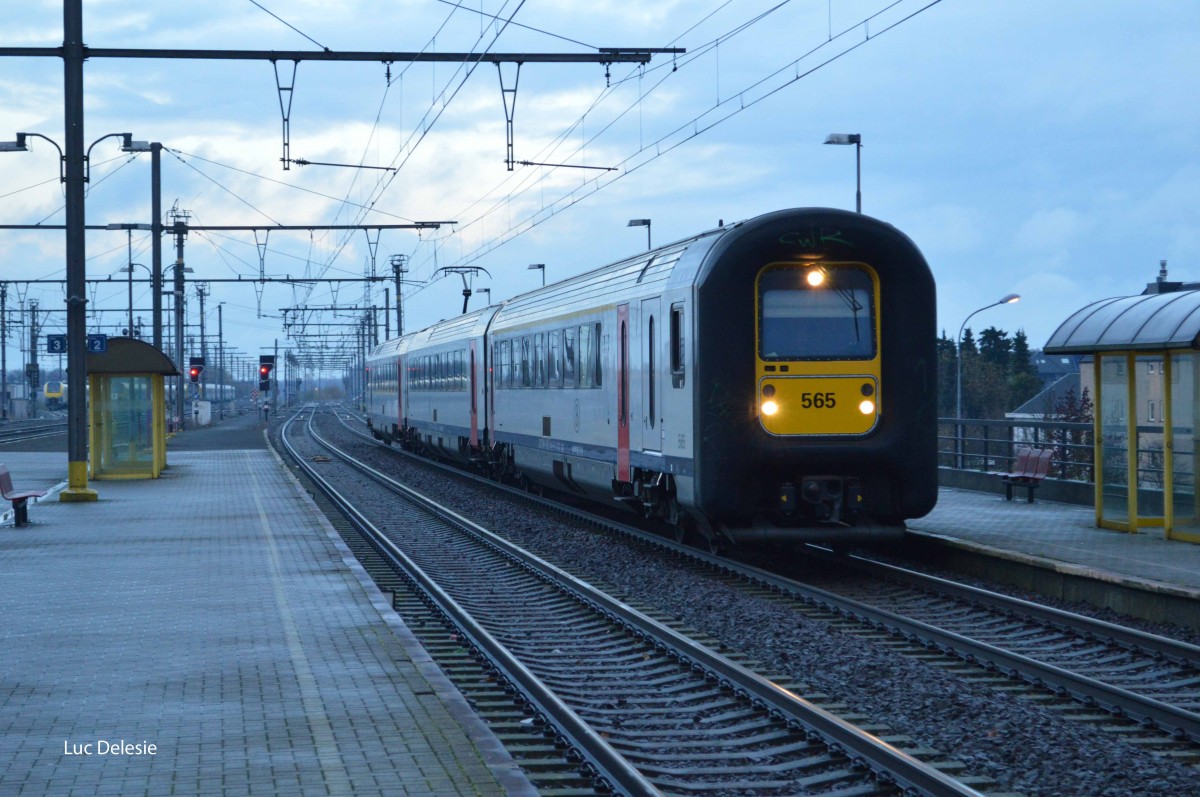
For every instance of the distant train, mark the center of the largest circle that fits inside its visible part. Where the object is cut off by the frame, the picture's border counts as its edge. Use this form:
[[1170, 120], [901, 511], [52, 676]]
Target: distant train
[[54, 393], [773, 379]]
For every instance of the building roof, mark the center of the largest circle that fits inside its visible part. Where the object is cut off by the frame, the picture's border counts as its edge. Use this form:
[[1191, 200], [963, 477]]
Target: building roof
[[1131, 323], [1042, 403]]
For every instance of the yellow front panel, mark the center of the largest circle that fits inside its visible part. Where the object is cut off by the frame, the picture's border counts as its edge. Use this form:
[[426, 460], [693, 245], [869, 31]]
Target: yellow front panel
[[817, 337], [819, 405]]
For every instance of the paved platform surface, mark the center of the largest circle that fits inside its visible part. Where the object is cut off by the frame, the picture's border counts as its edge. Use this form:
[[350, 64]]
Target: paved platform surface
[[1063, 537], [214, 614]]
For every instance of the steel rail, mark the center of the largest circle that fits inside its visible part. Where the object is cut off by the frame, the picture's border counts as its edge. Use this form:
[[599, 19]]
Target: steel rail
[[1112, 698], [881, 757], [1132, 638], [608, 762], [32, 433]]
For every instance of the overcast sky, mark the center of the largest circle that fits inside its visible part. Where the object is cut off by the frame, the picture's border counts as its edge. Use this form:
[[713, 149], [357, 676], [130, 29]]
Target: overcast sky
[[1042, 148]]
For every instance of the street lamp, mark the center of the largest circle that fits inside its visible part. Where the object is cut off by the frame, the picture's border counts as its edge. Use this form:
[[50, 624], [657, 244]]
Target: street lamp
[[156, 270], [73, 172], [856, 140], [129, 228], [642, 223], [129, 269], [538, 267], [1009, 299]]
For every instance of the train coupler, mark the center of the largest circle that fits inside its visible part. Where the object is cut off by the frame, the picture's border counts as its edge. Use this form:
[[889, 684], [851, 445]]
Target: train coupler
[[827, 498]]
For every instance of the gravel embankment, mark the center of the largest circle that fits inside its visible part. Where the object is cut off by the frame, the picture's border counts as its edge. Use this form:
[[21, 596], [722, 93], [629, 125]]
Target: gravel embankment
[[1025, 748]]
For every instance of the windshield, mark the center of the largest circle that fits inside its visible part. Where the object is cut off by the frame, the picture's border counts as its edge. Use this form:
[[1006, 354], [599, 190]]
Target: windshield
[[833, 319]]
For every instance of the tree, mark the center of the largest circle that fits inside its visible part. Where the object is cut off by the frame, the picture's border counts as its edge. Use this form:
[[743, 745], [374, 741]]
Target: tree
[[1073, 448], [1023, 380], [998, 374], [947, 359]]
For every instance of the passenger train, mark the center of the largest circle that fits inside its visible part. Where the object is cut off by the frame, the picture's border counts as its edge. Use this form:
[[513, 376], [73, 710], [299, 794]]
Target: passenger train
[[773, 379], [55, 394]]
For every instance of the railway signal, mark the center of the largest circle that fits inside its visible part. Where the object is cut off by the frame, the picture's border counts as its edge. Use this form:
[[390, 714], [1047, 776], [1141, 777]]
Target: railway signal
[[266, 364], [195, 368]]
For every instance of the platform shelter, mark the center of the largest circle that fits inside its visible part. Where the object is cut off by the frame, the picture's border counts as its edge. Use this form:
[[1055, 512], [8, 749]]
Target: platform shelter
[[127, 415], [1143, 379]]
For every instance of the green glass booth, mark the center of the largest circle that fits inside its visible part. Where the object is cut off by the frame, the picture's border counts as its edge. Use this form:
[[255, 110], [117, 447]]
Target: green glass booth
[[127, 424]]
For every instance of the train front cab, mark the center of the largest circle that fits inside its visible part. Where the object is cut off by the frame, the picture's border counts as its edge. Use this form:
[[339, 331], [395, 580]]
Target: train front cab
[[817, 420]]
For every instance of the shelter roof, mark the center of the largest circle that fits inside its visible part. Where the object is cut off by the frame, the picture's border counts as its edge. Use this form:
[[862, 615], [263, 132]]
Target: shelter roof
[[1150, 322], [130, 356]]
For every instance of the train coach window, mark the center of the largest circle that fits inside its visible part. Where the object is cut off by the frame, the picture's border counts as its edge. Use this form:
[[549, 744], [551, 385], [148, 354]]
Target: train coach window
[[677, 345], [568, 336], [589, 349], [833, 319], [554, 376], [539, 359], [500, 362], [526, 380]]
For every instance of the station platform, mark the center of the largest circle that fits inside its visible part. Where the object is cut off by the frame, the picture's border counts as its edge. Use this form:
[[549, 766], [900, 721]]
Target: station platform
[[209, 633], [1142, 574]]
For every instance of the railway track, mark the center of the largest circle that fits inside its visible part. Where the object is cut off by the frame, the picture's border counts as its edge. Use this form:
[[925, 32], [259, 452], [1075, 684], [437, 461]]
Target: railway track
[[1147, 678], [31, 431], [1143, 683], [647, 709]]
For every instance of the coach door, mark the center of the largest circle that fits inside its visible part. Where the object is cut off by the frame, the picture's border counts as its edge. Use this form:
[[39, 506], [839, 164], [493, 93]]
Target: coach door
[[404, 376], [651, 394], [472, 384], [623, 392]]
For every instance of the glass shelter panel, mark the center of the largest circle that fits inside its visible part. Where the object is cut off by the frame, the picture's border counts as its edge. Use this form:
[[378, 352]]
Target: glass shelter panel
[[1114, 439], [1148, 376], [1185, 414], [124, 428]]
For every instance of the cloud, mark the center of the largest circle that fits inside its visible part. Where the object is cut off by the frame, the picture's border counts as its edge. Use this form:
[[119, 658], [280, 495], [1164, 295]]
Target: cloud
[[1051, 233]]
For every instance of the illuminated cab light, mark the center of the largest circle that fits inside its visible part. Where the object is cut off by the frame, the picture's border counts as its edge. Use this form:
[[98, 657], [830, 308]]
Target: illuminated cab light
[[769, 408], [866, 407], [815, 277]]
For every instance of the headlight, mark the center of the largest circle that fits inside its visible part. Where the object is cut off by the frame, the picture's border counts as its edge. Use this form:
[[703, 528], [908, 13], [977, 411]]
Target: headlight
[[769, 408], [866, 407]]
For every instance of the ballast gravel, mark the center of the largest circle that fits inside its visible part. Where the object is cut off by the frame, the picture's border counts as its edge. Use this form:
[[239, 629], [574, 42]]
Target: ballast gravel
[[1022, 746]]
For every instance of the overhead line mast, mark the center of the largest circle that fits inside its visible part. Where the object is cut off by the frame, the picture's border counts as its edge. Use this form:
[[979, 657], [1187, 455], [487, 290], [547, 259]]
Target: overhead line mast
[[74, 54]]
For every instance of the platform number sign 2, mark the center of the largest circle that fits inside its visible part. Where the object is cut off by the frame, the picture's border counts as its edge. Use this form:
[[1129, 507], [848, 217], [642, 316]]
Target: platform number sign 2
[[97, 344]]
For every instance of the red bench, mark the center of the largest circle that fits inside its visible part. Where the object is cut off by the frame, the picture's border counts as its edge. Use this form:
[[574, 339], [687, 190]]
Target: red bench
[[1030, 469], [19, 499]]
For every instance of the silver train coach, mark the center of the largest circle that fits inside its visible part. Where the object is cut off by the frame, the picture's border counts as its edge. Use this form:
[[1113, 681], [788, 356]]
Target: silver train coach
[[772, 379]]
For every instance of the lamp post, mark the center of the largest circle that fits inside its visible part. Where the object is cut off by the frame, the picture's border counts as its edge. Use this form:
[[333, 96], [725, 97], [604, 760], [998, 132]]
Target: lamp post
[[129, 269], [73, 172], [538, 267], [129, 228], [221, 397], [856, 140], [958, 436], [642, 223], [156, 291]]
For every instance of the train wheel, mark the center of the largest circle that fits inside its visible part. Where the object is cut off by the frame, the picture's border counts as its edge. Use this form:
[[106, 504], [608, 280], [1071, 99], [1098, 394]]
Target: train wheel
[[707, 538], [681, 528]]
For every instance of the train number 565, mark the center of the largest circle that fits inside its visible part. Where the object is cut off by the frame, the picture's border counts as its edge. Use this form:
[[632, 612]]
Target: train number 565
[[819, 401]]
